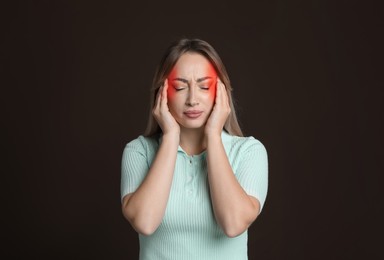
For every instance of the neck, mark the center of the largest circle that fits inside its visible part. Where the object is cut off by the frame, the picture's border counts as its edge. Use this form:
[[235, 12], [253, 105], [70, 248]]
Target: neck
[[192, 140]]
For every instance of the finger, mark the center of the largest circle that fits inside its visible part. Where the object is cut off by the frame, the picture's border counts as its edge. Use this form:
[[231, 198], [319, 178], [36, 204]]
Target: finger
[[164, 99], [166, 90], [222, 93], [158, 96], [225, 94], [218, 92]]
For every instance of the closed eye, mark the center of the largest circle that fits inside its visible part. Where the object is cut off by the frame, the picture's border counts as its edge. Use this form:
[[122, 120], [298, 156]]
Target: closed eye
[[206, 84], [178, 88]]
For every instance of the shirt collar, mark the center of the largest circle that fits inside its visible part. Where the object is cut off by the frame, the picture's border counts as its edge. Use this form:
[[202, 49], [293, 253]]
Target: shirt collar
[[225, 137]]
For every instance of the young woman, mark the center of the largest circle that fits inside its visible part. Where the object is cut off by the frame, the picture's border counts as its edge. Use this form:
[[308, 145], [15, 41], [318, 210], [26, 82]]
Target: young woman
[[192, 184]]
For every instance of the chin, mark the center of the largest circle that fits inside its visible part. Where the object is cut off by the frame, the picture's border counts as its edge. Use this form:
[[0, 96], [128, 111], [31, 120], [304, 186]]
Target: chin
[[196, 124], [192, 126]]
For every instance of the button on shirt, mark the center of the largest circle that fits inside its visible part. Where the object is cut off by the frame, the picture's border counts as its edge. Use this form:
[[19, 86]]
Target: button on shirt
[[189, 229]]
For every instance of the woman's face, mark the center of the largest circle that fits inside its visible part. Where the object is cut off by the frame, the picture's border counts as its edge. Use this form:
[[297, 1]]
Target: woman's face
[[191, 90]]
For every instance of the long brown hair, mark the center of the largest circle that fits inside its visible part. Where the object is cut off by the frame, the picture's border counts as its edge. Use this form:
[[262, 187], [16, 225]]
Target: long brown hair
[[169, 59]]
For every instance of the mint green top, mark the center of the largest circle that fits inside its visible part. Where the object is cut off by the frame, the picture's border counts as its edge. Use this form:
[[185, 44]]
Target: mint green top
[[189, 230]]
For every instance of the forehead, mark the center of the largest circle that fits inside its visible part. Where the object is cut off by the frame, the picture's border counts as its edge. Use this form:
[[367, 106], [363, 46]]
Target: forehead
[[192, 64]]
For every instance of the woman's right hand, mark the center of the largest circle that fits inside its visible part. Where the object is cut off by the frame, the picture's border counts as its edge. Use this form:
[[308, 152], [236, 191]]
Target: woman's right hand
[[161, 112]]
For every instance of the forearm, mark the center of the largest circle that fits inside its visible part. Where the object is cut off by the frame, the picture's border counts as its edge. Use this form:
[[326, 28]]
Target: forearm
[[146, 206], [233, 208]]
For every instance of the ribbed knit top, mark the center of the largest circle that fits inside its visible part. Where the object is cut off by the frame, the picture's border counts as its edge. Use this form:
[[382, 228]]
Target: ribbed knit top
[[189, 230]]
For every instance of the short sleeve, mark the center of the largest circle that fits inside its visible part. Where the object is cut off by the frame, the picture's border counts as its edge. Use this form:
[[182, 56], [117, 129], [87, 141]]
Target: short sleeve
[[134, 167], [252, 171]]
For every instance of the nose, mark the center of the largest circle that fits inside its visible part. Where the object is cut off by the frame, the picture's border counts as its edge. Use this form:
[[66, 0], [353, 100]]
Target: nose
[[192, 97]]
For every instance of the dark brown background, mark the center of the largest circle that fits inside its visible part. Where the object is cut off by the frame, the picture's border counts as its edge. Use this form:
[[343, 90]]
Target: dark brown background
[[307, 78]]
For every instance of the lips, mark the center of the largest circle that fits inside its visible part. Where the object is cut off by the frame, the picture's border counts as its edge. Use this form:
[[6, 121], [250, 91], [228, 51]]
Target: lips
[[193, 113]]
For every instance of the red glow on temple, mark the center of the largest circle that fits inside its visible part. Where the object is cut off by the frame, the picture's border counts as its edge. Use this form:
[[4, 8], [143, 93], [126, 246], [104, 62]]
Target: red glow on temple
[[208, 72]]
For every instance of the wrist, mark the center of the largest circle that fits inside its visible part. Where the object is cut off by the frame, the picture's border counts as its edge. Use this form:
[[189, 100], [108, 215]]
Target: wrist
[[172, 137], [213, 133], [213, 138]]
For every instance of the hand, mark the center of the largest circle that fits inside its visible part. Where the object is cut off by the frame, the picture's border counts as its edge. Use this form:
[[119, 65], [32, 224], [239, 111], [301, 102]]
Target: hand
[[161, 112], [220, 111]]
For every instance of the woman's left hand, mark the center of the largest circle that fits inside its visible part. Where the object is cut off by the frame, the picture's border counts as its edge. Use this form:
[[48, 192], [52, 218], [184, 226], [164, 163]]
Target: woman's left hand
[[220, 111]]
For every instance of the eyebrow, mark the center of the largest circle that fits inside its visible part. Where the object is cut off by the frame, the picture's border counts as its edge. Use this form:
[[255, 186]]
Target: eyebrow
[[198, 80]]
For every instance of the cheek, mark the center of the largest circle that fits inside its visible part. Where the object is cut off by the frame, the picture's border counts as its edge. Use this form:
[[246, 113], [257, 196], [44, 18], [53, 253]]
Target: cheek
[[212, 92], [212, 89], [209, 98], [170, 93], [173, 100]]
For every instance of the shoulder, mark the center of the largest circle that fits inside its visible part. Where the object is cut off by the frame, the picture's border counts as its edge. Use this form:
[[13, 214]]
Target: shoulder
[[143, 144], [242, 143]]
